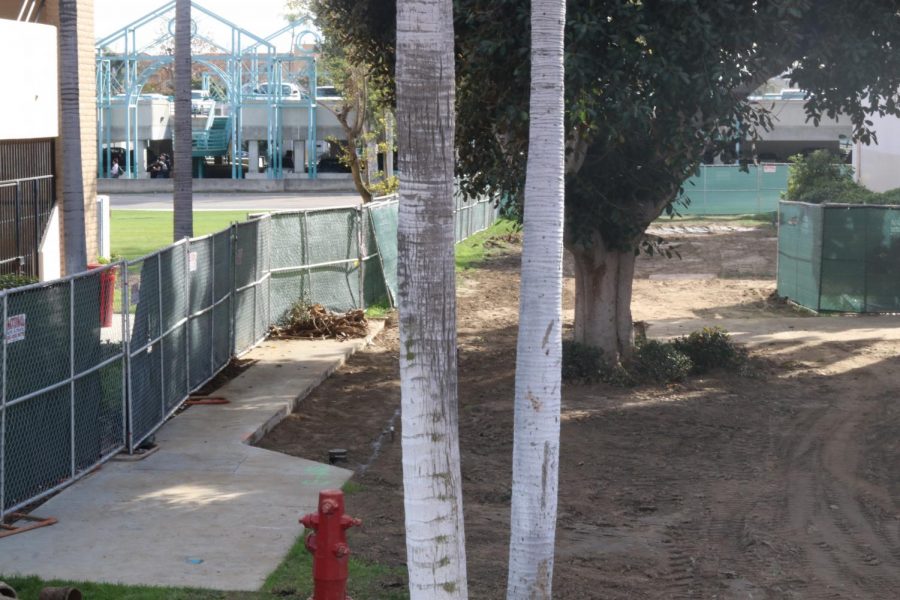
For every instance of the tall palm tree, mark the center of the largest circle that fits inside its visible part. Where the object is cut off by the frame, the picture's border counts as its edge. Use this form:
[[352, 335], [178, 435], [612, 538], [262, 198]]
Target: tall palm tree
[[539, 349], [72, 176], [184, 218], [435, 541]]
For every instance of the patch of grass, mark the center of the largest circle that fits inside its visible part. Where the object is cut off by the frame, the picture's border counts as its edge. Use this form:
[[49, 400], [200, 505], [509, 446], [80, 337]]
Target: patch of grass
[[292, 580], [379, 310], [135, 233], [471, 252], [352, 487], [30, 588]]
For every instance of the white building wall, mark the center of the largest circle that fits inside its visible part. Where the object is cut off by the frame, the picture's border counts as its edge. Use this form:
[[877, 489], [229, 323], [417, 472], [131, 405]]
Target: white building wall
[[878, 166], [29, 100]]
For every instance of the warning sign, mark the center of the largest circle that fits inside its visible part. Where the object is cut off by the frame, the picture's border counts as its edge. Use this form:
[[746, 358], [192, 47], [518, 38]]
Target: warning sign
[[192, 261], [15, 328], [770, 168]]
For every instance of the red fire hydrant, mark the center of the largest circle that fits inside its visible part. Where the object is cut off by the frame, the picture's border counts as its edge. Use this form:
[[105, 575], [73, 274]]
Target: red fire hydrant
[[328, 545]]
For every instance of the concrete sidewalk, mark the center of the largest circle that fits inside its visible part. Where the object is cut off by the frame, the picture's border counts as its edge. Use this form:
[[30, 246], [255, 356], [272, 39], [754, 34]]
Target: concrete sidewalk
[[207, 510]]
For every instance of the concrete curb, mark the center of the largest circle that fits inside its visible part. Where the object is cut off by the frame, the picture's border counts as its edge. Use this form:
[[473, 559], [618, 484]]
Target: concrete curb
[[375, 328]]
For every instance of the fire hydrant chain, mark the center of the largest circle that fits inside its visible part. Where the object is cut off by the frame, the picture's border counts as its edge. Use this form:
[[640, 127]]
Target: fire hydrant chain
[[328, 545]]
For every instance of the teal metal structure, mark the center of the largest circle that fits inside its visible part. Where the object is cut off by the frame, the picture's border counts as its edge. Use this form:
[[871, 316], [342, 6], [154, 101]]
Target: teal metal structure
[[126, 62]]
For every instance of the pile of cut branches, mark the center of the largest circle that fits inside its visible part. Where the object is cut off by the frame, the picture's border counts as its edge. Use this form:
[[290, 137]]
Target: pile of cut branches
[[314, 321]]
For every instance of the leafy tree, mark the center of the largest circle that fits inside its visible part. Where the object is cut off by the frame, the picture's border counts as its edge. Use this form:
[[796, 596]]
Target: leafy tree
[[651, 86], [426, 275], [535, 477]]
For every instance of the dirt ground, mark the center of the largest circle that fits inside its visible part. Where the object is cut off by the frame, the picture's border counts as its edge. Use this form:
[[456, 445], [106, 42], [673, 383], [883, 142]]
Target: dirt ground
[[780, 485]]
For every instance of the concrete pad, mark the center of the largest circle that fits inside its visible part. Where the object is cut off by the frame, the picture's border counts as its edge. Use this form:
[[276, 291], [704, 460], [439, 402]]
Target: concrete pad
[[207, 510], [681, 276], [807, 330]]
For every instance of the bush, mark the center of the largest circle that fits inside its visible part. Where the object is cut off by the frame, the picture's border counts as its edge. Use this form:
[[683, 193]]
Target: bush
[[844, 192], [580, 362], [820, 169], [711, 348], [660, 362], [890, 197], [14, 281]]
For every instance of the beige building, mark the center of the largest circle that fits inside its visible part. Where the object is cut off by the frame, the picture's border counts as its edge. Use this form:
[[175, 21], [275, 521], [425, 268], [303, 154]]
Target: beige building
[[30, 19]]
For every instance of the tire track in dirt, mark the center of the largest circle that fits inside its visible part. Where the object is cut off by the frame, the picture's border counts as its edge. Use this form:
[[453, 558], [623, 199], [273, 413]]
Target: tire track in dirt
[[847, 552]]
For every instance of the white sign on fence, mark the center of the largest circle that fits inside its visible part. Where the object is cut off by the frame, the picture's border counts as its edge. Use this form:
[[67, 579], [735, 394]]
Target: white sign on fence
[[15, 328], [192, 261], [770, 168]]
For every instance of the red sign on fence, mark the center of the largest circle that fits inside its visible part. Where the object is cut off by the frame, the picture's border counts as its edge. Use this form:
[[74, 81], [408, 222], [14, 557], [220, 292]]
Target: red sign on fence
[[15, 328]]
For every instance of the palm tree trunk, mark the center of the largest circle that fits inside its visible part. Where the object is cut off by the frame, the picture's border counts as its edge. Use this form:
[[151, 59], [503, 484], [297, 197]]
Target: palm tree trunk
[[435, 540], [184, 218], [72, 177], [539, 349]]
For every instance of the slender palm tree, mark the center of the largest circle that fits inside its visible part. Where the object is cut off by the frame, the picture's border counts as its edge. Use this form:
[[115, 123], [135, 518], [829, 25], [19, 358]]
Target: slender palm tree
[[184, 218], [539, 349], [72, 176], [435, 540]]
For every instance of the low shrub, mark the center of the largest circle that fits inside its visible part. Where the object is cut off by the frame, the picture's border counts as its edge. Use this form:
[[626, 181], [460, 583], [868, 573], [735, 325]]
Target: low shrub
[[840, 192], [580, 362], [711, 348], [660, 362], [14, 281]]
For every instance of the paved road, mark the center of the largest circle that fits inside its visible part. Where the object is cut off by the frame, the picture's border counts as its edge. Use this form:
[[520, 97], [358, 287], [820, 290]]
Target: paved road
[[234, 201]]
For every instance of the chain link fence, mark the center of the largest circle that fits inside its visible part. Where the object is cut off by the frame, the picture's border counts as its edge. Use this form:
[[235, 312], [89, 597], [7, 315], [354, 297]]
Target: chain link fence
[[62, 395], [97, 362]]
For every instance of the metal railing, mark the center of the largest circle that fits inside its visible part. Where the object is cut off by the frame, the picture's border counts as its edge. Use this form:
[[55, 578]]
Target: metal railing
[[97, 362], [25, 208]]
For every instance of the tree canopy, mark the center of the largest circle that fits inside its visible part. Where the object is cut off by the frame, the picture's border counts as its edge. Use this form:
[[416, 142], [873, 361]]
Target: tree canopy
[[651, 87]]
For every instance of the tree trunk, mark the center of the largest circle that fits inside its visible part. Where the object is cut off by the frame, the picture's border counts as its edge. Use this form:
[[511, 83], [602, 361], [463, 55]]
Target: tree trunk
[[72, 177], [355, 171], [604, 281], [183, 184], [425, 75], [539, 349]]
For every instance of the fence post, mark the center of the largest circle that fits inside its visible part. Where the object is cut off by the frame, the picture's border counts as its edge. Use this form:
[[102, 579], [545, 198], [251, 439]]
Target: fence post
[[17, 200], [127, 425], [212, 304], [305, 223], [162, 338], [3, 415], [361, 253], [71, 374], [35, 211], [187, 314]]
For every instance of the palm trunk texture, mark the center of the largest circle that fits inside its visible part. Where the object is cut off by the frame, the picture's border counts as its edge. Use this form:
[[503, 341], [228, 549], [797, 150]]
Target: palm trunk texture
[[435, 540], [183, 184], [539, 348], [74, 241]]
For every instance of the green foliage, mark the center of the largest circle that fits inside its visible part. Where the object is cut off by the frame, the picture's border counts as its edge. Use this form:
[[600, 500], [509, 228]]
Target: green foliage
[[839, 192], [14, 281], [650, 88], [711, 348], [660, 362], [890, 197], [817, 170], [580, 362], [819, 178]]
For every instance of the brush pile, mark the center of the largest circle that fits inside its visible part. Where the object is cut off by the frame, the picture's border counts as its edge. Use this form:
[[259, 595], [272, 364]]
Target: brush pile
[[313, 321]]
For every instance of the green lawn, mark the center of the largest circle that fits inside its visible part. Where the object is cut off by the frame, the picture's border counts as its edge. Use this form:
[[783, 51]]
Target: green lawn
[[292, 580], [139, 232], [471, 252]]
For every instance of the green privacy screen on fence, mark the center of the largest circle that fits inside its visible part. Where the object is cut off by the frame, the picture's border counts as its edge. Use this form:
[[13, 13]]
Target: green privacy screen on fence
[[727, 190], [838, 257]]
